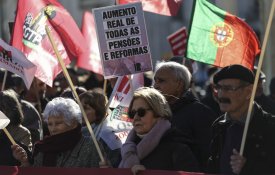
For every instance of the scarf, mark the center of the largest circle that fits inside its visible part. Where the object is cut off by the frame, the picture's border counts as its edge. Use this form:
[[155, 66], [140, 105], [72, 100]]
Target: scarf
[[51, 146], [132, 153]]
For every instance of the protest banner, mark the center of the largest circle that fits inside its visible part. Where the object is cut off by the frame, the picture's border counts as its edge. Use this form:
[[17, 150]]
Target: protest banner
[[14, 170], [16, 62], [123, 42], [120, 99], [178, 41]]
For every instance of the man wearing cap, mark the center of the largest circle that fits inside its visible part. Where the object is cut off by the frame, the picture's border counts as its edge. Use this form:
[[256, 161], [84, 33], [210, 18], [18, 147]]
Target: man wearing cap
[[234, 87]]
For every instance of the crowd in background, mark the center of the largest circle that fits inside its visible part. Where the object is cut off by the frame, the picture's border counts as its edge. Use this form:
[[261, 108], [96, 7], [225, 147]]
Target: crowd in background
[[177, 115]]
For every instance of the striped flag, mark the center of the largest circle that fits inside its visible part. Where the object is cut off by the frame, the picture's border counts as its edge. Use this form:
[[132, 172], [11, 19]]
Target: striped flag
[[178, 41]]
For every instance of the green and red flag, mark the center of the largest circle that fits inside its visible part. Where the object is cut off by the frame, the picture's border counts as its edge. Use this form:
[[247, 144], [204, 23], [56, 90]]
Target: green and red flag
[[219, 38]]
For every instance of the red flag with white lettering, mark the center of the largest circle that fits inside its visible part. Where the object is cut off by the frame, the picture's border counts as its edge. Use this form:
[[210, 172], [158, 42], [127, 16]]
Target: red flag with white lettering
[[29, 36], [162, 7], [91, 60], [178, 41]]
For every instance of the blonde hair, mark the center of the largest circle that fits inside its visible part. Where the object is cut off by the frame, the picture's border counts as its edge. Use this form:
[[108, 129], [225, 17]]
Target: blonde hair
[[155, 100]]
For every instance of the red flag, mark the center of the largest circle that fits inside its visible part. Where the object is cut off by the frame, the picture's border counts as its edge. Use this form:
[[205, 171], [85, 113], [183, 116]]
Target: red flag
[[91, 60], [178, 41], [162, 7], [30, 37]]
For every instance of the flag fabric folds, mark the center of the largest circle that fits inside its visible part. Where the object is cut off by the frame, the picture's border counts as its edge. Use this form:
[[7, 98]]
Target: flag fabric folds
[[29, 36], [16, 62], [219, 38], [162, 7], [91, 59]]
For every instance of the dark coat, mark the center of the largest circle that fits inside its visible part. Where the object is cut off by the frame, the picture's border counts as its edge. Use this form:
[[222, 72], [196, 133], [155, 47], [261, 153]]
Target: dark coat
[[172, 153], [266, 103], [6, 157], [194, 119], [259, 147]]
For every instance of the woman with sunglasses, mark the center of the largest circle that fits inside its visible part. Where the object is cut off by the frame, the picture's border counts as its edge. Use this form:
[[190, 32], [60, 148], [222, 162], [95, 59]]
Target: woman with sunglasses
[[152, 143]]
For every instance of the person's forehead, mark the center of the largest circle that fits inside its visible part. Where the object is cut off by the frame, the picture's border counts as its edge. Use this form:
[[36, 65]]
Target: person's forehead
[[164, 72], [231, 81]]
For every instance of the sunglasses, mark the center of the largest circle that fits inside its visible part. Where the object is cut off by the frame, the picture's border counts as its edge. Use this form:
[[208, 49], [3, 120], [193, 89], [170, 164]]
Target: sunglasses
[[140, 112]]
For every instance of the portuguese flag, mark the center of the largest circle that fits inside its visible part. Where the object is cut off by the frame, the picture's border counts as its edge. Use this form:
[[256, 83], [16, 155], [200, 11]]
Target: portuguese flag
[[219, 38]]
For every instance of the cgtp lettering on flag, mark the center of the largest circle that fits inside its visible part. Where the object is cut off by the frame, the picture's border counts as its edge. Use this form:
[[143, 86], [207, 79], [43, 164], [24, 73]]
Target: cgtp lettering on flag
[[178, 41]]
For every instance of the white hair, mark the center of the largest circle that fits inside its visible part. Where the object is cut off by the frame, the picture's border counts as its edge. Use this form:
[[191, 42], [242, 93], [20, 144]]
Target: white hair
[[65, 107], [180, 71]]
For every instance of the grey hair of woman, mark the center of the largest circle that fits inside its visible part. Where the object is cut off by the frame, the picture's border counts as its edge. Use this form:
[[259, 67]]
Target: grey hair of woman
[[155, 100], [180, 71], [65, 107]]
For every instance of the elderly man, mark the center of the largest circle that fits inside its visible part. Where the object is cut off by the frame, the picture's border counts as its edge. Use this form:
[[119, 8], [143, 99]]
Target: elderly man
[[234, 86], [189, 115]]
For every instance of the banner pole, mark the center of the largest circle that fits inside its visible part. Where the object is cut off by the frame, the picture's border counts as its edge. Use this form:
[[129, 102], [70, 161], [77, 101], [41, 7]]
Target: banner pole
[[68, 78], [4, 80], [257, 77], [105, 87], [9, 136]]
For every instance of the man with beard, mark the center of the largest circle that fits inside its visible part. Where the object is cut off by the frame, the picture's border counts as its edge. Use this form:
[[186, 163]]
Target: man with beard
[[234, 87], [189, 115]]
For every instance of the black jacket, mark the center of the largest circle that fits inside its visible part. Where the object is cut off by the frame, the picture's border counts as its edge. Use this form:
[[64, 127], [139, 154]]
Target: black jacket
[[194, 119], [6, 157], [172, 153], [259, 146]]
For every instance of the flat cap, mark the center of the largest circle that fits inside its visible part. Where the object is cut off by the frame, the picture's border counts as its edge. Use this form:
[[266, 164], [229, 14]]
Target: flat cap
[[235, 71]]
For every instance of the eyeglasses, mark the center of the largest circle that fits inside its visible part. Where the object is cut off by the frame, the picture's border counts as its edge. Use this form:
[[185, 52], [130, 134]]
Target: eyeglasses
[[140, 112], [226, 88]]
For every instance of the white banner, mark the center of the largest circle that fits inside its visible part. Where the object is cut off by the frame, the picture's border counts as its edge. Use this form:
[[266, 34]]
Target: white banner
[[15, 61]]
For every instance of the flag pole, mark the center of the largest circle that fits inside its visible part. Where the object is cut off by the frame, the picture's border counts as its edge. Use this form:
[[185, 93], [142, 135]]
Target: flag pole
[[257, 77], [4, 80], [67, 76], [105, 87], [9, 136]]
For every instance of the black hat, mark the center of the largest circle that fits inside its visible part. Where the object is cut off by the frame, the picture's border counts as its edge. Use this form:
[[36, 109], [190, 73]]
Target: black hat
[[235, 72]]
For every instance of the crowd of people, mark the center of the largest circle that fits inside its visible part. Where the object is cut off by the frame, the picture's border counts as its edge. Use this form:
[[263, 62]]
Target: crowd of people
[[173, 127]]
